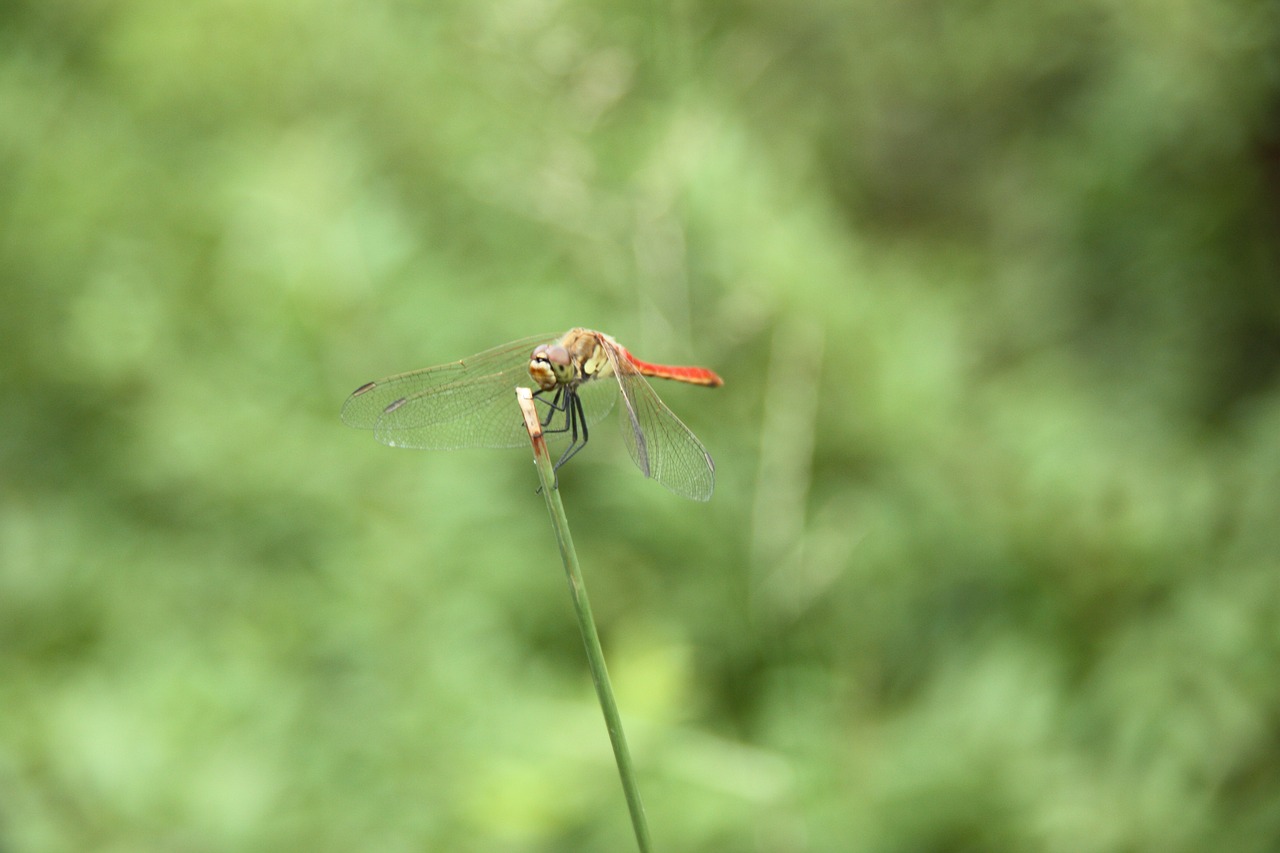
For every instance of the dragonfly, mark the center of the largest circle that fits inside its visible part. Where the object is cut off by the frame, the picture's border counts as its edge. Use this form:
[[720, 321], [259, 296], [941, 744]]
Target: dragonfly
[[579, 376]]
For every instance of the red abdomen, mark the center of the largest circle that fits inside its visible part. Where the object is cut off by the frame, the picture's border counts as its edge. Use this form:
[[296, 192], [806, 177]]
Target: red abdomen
[[692, 375]]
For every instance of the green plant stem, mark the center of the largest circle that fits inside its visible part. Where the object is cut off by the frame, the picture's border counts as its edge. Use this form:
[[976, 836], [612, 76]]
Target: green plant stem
[[587, 625]]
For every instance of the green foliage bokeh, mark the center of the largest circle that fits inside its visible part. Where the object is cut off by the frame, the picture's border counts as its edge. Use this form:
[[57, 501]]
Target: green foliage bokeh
[[992, 562]]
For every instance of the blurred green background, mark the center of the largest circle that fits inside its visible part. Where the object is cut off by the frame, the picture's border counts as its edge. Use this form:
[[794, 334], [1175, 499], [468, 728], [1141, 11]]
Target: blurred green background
[[993, 558]]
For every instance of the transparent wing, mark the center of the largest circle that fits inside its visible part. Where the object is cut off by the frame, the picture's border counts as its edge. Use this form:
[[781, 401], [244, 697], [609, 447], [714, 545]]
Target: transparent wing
[[660, 444], [467, 403]]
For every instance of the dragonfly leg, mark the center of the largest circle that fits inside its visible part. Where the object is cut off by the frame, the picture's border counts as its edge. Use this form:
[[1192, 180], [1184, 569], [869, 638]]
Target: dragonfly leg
[[568, 402], [558, 403], [555, 405], [576, 416]]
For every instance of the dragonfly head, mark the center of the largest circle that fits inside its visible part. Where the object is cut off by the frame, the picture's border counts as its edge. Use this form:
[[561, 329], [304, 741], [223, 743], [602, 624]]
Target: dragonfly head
[[550, 366]]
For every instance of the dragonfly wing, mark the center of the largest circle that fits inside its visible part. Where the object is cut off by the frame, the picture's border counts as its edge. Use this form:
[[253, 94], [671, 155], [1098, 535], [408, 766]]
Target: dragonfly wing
[[598, 399], [660, 444], [467, 403]]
